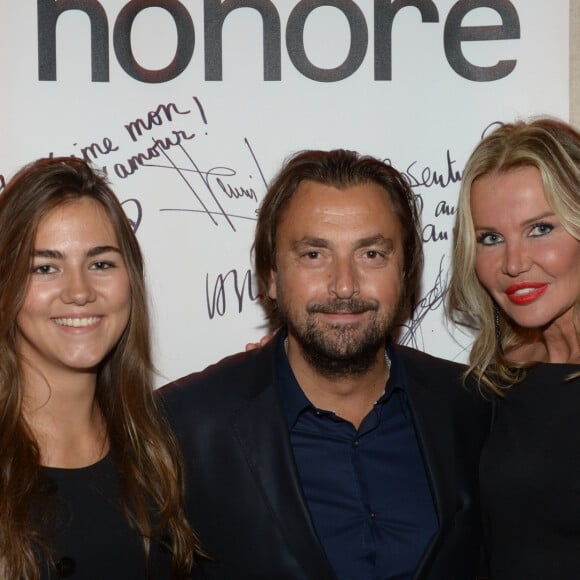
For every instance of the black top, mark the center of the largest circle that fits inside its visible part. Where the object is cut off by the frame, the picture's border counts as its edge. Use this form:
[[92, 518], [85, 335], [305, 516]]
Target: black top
[[87, 531], [530, 479]]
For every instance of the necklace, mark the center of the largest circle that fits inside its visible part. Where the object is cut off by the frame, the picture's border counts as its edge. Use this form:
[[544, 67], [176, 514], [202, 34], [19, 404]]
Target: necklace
[[387, 360]]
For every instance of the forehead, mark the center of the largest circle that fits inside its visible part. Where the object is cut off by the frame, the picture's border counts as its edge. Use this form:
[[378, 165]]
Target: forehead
[[77, 220], [518, 190], [318, 209]]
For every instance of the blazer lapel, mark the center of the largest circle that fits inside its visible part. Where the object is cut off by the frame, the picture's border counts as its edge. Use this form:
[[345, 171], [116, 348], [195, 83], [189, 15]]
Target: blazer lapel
[[261, 430], [431, 428]]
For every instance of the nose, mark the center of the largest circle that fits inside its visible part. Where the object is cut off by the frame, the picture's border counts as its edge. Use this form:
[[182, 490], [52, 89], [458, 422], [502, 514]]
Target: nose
[[345, 279], [77, 288], [515, 259]]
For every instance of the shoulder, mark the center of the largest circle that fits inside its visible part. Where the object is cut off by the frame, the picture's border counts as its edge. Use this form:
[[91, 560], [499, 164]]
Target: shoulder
[[441, 377], [225, 384], [423, 363], [438, 390]]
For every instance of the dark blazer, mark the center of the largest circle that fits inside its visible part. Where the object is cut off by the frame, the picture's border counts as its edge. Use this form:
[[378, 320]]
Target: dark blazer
[[243, 490]]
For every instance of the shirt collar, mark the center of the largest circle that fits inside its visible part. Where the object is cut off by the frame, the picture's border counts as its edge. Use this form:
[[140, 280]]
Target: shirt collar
[[293, 398]]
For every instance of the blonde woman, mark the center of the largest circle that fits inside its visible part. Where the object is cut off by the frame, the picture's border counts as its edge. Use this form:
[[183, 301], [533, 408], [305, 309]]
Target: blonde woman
[[516, 280]]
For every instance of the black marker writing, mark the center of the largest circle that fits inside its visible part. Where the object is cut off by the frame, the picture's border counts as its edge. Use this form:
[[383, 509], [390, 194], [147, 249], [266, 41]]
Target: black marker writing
[[428, 177], [209, 185], [240, 289], [134, 212], [162, 114], [430, 302], [159, 147], [431, 234]]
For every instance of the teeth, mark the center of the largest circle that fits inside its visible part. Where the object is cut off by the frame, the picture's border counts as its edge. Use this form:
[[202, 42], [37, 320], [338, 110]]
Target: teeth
[[77, 322], [524, 291]]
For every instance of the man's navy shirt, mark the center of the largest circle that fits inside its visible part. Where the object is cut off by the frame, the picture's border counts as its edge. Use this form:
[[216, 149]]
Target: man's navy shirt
[[366, 489]]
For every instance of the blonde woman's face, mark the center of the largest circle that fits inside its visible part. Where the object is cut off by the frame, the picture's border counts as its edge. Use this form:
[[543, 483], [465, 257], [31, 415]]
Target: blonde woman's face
[[525, 258]]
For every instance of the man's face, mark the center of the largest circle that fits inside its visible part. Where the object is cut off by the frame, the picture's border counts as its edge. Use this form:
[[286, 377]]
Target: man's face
[[339, 260]]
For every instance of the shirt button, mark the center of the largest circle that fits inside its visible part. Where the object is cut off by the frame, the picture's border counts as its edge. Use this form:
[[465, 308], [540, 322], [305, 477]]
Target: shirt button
[[373, 515], [65, 567], [356, 442]]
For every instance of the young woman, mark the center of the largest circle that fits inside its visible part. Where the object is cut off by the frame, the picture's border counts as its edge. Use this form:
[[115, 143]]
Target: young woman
[[90, 477], [516, 280]]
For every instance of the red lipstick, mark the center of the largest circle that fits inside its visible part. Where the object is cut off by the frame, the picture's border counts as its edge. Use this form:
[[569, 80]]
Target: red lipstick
[[525, 292]]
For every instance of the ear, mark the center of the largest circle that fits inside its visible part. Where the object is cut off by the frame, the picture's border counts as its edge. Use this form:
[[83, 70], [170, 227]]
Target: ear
[[272, 287]]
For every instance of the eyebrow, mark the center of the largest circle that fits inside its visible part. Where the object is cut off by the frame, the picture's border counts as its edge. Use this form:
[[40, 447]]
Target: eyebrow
[[378, 240], [539, 217], [529, 221], [91, 253], [362, 243], [310, 241]]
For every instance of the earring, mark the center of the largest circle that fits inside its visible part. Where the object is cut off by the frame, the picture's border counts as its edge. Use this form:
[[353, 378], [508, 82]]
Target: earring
[[497, 328]]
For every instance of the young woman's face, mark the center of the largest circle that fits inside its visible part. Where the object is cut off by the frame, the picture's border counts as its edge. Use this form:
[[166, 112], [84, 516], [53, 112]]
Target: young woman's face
[[78, 299], [525, 258]]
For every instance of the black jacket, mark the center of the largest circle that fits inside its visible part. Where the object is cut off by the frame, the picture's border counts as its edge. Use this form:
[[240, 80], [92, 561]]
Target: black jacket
[[243, 490]]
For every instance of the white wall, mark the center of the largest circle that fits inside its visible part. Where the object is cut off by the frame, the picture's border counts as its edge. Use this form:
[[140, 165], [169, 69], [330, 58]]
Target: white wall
[[195, 236]]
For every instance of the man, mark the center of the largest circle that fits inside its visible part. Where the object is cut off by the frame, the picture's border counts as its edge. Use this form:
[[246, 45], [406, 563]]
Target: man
[[331, 452]]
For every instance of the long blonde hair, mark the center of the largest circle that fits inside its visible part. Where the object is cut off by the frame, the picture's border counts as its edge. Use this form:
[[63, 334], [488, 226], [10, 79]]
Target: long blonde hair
[[144, 451], [552, 147]]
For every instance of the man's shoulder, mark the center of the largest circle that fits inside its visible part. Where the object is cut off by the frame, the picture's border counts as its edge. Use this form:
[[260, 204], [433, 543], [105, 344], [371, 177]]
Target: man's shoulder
[[419, 359], [235, 377], [437, 374]]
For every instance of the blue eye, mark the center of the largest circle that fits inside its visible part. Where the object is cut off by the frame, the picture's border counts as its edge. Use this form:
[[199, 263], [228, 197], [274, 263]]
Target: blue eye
[[541, 229], [488, 239]]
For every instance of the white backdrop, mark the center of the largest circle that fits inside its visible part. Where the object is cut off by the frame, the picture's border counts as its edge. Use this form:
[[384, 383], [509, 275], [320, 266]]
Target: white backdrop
[[190, 137]]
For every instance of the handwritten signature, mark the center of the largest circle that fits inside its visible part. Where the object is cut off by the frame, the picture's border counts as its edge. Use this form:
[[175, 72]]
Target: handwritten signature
[[431, 301], [210, 185], [241, 285]]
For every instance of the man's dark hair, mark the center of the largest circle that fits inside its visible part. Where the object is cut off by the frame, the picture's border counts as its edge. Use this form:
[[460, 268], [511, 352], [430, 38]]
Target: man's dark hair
[[340, 169]]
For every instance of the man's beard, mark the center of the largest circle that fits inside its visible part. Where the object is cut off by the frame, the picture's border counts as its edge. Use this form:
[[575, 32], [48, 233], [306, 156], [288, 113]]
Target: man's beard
[[340, 349]]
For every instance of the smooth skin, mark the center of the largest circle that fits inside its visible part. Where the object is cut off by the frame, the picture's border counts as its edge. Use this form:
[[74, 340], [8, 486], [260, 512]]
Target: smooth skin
[[76, 307], [528, 262]]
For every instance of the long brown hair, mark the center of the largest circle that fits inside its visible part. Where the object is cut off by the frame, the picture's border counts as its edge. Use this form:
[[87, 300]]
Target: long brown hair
[[142, 446]]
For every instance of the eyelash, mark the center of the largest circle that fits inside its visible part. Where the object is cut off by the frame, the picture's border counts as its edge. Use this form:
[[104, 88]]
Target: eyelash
[[546, 225], [46, 269], [42, 269], [480, 239], [311, 254], [103, 265]]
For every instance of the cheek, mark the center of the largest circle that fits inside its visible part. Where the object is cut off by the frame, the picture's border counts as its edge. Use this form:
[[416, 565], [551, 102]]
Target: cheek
[[116, 300], [485, 268], [564, 260], [385, 281], [124, 300], [35, 301]]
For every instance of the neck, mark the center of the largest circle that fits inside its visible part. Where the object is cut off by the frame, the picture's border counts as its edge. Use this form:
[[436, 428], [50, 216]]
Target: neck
[[557, 343], [562, 342], [350, 396], [65, 419]]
